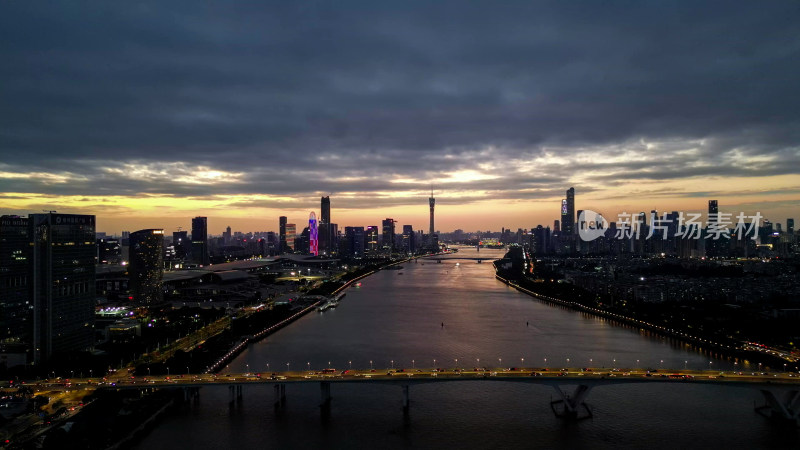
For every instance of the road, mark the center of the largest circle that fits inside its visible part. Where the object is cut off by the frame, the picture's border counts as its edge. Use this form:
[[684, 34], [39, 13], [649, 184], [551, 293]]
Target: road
[[400, 376]]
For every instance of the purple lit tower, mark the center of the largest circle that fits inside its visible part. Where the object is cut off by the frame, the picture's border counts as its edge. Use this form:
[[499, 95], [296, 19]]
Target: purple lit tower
[[313, 240]]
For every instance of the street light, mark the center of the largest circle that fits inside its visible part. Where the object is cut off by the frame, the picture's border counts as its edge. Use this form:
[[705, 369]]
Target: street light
[[351, 365], [522, 360], [287, 367], [309, 365], [545, 362], [457, 363], [167, 370], [392, 364], [412, 364], [370, 364]]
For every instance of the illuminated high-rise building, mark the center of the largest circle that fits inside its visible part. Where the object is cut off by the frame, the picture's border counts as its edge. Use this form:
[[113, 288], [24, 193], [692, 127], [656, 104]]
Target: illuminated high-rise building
[[200, 241], [790, 226], [713, 207], [409, 239], [291, 232], [568, 213], [146, 266], [371, 239], [325, 232], [282, 233], [16, 310], [182, 244], [313, 236], [388, 234], [432, 203], [63, 271], [354, 239]]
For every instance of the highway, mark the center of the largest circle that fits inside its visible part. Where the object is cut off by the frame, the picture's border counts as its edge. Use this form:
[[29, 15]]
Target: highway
[[565, 376]]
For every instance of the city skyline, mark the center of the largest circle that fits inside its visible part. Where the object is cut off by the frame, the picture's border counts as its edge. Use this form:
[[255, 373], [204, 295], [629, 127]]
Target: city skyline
[[499, 108]]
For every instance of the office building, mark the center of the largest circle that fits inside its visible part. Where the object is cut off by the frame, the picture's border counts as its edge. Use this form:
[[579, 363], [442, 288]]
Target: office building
[[16, 309], [282, 233], [355, 241], [325, 233], [313, 235], [146, 266], [568, 213], [371, 239], [63, 270], [109, 251], [409, 239], [182, 244], [388, 234], [291, 231], [432, 204], [200, 241]]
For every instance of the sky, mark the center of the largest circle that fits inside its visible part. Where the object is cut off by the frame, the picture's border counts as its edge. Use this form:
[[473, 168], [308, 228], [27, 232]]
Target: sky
[[147, 114]]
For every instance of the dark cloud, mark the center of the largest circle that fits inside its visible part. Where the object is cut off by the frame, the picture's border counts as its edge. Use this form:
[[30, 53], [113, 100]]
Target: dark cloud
[[302, 98]]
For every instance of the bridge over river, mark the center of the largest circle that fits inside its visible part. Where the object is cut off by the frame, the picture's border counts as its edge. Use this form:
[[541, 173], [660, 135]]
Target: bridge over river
[[782, 398]]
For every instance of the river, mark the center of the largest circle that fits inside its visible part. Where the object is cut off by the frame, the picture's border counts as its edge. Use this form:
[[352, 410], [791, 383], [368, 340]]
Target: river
[[395, 319]]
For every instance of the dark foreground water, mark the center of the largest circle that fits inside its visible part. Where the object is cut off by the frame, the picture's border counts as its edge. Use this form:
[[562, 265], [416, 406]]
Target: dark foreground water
[[394, 319]]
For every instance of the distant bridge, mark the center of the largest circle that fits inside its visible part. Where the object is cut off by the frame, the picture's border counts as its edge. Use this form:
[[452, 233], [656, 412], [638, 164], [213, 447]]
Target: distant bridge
[[569, 404], [456, 257]]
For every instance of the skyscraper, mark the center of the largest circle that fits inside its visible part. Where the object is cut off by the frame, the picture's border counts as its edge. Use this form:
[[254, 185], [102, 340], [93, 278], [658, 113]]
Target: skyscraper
[[371, 239], [63, 271], [354, 237], [16, 311], [568, 213], [713, 208], [325, 235], [200, 240], [388, 234], [409, 239], [432, 203], [790, 226], [146, 267], [291, 232], [182, 244], [109, 251], [313, 236], [282, 233]]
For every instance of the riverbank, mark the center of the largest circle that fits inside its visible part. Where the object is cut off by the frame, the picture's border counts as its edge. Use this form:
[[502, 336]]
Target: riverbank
[[725, 349]]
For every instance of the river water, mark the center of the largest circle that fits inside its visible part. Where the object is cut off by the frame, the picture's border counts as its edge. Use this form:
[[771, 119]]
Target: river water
[[395, 319]]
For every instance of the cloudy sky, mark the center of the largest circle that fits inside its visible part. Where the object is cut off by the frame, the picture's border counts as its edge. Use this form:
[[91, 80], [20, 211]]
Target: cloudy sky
[[147, 114]]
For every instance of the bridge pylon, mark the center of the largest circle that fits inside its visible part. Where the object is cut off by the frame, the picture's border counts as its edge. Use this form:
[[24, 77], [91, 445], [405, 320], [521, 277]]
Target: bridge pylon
[[787, 410], [280, 395], [325, 398], [405, 400], [571, 405]]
